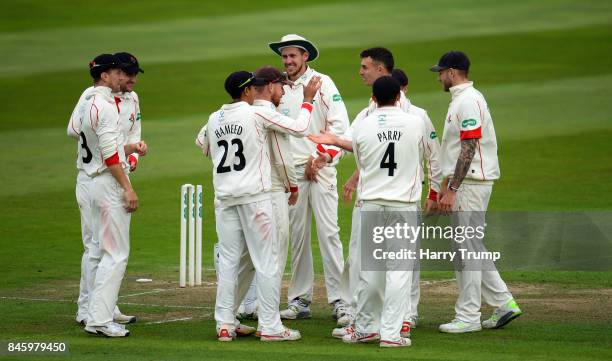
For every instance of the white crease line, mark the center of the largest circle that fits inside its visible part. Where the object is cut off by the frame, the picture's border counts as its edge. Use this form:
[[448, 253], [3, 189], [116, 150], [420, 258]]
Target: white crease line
[[157, 290], [167, 321], [438, 281], [121, 303]]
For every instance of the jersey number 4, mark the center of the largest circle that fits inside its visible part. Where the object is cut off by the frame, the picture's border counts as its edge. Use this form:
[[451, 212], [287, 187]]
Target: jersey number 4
[[388, 160], [222, 168], [88, 156]]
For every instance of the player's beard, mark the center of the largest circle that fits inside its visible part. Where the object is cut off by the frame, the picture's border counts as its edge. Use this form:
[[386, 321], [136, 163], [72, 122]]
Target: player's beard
[[293, 74]]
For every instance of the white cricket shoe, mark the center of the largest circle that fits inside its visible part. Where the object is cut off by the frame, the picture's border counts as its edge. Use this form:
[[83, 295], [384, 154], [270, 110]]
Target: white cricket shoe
[[359, 337], [244, 330], [286, 335], [503, 315], [405, 330], [297, 308], [403, 342], [226, 334], [413, 321], [111, 329], [124, 319], [340, 332], [341, 312], [457, 326]]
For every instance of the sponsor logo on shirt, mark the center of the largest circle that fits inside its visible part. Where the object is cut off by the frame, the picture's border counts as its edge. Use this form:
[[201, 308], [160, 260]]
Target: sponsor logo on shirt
[[382, 119], [433, 135], [337, 98], [285, 112], [468, 123], [138, 116]]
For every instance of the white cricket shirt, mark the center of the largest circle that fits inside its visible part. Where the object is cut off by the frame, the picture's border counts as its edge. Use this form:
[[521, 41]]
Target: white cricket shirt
[[468, 117], [387, 146]]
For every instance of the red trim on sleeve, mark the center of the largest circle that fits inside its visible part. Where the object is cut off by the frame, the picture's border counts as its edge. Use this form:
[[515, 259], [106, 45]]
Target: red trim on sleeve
[[132, 159], [113, 159], [471, 134], [307, 106], [332, 152], [433, 195], [293, 189]]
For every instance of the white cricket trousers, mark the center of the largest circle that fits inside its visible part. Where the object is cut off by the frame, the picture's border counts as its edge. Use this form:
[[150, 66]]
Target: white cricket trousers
[[89, 263], [111, 227], [471, 202], [248, 229], [383, 296], [352, 266], [321, 199], [246, 271]]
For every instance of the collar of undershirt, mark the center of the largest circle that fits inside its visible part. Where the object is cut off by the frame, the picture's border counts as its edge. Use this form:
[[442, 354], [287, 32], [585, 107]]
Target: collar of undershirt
[[458, 89], [234, 105], [264, 103], [304, 78]]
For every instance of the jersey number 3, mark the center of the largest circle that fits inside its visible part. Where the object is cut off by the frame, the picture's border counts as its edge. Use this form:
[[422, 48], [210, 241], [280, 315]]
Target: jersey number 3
[[222, 168], [88, 156], [388, 160]]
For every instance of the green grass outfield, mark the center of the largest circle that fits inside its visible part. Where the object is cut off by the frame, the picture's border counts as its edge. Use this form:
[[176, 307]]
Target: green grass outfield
[[545, 68]]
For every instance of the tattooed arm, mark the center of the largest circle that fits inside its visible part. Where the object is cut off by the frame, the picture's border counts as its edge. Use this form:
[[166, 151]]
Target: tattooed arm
[[468, 149]]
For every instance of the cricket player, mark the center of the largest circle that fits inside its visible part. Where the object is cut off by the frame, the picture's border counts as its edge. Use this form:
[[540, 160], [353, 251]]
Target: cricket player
[[470, 167], [236, 140], [89, 263], [317, 187], [377, 62], [284, 190], [239, 85], [388, 147], [111, 196], [128, 104]]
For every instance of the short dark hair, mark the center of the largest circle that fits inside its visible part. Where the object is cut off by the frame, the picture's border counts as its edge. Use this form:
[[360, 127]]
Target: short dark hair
[[269, 74], [381, 55], [385, 90], [399, 75]]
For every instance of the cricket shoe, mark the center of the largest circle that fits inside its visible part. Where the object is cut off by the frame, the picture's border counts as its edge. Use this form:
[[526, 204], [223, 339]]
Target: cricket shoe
[[503, 315], [413, 321], [457, 326], [359, 337], [226, 334], [286, 335], [247, 312], [297, 308], [258, 332], [403, 342], [111, 329], [405, 330], [340, 332], [244, 330], [341, 314], [123, 319]]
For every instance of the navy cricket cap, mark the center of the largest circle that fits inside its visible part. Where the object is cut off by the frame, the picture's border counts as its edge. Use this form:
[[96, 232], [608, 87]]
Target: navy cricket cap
[[385, 89], [102, 63], [453, 59], [237, 81], [129, 63]]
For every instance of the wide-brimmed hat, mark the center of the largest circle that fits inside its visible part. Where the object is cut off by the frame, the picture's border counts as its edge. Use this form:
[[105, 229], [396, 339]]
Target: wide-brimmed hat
[[294, 40]]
